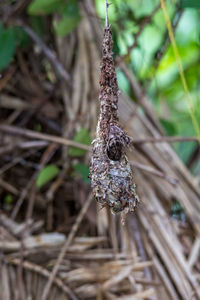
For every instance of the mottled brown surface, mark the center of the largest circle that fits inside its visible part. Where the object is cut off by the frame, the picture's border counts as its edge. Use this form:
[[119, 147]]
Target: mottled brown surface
[[110, 171]]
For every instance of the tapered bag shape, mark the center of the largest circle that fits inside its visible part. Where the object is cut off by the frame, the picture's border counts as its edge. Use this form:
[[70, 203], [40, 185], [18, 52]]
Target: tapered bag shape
[[110, 171]]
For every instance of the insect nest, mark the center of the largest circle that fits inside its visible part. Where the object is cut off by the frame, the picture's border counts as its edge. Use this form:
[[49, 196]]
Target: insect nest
[[110, 171]]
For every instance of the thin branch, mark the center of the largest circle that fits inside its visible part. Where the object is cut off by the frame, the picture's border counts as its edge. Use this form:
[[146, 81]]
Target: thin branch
[[23, 234], [47, 51], [134, 227], [17, 160], [165, 139], [155, 172], [41, 136], [22, 145], [7, 186], [45, 158], [31, 182], [106, 8], [60, 140], [17, 9], [8, 75], [43, 272], [66, 246]]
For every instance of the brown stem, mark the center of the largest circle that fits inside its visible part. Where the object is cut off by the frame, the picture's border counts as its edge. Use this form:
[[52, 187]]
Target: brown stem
[[106, 6], [155, 172], [47, 51], [22, 145], [165, 139], [60, 140], [46, 274], [41, 136], [66, 246]]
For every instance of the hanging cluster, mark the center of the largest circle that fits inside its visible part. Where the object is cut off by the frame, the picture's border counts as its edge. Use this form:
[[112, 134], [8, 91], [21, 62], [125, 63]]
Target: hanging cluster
[[110, 171]]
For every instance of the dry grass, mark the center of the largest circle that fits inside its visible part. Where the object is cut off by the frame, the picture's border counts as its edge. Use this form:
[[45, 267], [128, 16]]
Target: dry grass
[[152, 256]]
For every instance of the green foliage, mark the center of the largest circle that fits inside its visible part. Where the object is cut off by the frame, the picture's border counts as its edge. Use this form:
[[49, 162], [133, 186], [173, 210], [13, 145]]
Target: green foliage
[[70, 18], [46, 175], [8, 199], [83, 137], [70, 15], [8, 46], [169, 126], [37, 23], [190, 3], [177, 211], [159, 78], [66, 25], [21, 37], [83, 170], [116, 50], [10, 39], [43, 7], [124, 84], [38, 127]]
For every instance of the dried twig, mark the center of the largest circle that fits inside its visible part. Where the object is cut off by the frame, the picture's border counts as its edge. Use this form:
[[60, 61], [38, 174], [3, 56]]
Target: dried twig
[[66, 246], [106, 10], [8, 75], [17, 160], [22, 145], [165, 139], [47, 51], [7, 186], [17, 8], [133, 224], [39, 270], [42, 136], [155, 172], [63, 141], [46, 156]]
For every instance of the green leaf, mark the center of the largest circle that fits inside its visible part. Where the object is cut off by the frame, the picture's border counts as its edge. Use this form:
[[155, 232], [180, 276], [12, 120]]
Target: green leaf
[[83, 137], [185, 150], [169, 126], [176, 207], [38, 25], [123, 82], [116, 49], [83, 170], [21, 37], [10, 39], [8, 199], [43, 7], [46, 174], [66, 25], [70, 8], [8, 46], [190, 3], [70, 18], [38, 127]]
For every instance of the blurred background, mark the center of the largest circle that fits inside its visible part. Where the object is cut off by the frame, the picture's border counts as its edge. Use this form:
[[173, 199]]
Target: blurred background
[[153, 62], [50, 53]]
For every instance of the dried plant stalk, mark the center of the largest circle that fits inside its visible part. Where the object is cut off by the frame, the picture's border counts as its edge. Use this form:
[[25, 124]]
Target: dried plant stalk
[[110, 171]]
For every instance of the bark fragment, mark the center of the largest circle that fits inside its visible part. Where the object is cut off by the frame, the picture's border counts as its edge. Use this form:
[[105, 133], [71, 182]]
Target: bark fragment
[[110, 171]]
